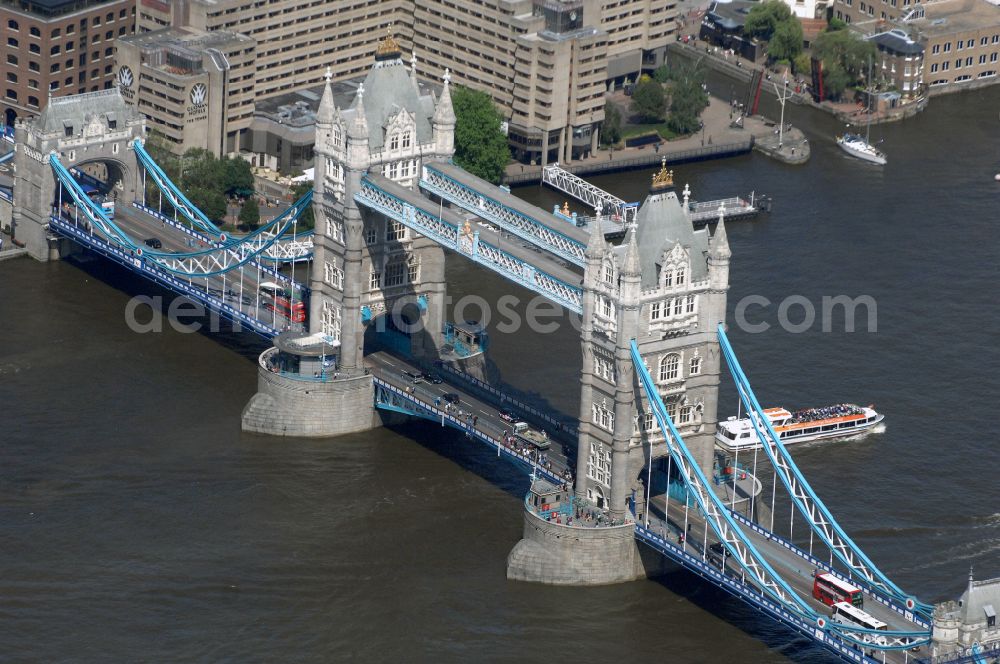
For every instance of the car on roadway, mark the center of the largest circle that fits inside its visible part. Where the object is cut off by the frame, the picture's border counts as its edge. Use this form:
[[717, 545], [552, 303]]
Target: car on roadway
[[431, 378], [506, 415], [413, 377], [451, 397], [153, 242], [717, 555]]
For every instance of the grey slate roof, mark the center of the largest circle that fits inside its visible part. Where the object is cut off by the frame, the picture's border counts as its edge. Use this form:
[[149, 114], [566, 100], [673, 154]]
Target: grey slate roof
[[388, 89], [77, 110], [891, 41], [977, 597], [661, 224]]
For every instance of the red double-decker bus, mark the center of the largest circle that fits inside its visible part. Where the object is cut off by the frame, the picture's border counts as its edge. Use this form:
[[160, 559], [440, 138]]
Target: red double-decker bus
[[831, 590], [280, 301]]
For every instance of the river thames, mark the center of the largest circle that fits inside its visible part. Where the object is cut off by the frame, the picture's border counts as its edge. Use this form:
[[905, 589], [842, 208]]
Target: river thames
[[139, 524]]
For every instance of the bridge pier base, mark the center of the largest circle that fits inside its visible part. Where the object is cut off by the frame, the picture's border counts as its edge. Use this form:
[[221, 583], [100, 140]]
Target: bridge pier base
[[285, 406], [562, 555]]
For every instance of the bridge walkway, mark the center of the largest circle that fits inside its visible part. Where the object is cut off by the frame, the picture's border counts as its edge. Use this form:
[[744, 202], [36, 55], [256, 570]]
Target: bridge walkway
[[515, 254]]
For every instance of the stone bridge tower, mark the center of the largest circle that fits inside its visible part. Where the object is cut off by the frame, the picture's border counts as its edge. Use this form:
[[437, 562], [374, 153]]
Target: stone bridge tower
[[369, 269], [665, 287], [92, 132]]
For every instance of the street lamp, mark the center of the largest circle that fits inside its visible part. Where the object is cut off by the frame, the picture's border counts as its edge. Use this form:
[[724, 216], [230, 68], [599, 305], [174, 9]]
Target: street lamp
[[782, 96]]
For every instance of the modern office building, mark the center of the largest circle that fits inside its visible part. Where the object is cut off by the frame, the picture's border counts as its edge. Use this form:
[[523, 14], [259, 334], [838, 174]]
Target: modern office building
[[58, 47], [196, 88], [547, 63]]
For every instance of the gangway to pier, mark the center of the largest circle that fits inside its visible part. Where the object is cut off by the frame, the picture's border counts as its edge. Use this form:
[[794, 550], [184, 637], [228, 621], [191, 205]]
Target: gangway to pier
[[703, 212], [591, 195]]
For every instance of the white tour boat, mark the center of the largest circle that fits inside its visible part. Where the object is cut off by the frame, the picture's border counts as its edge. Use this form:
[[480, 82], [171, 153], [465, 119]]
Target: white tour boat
[[800, 426]]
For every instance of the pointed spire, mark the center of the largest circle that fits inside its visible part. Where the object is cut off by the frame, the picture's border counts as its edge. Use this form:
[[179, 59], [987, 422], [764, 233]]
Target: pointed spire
[[444, 113], [631, 266], [327, 107], [413, 72], [359, 128], [596, 245], [720, 241]]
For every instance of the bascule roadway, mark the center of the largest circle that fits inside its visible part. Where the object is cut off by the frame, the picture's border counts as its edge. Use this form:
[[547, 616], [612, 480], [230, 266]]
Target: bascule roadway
[[237, 290], [795, 570]]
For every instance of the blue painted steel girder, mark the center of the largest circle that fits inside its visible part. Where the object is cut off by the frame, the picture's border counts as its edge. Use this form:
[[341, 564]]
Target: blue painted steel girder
[[511, 220], [480, 251]]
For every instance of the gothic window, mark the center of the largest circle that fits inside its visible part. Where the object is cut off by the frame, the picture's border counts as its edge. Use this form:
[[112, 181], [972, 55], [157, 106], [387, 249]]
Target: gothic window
[[395, 231], [337, 137], [603, 417], [669, 367], [694, 367], [648, 422], [654, 311], [680, 276], [604, 368], [375, 280], [393, 171], [331, 320], [668, 278], [689, 305], [685, 415], [331, 167], [599, 464], [609, 274], [394, 273], [412, 270], [406, 139], [371, 235], [607, 308], [394, 142], [333, 275], [678, 306], [672, 410]]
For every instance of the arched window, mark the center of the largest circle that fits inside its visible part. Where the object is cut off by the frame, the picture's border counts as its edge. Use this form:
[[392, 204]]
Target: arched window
[[609, 274], [12, 24], [694, 368], [680, 276], [669, 367], [685, 416], [394, 142], [337, 137], [407, 138]]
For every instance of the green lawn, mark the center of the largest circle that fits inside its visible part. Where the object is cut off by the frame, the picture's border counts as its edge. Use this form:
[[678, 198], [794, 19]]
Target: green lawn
[[631, 131]]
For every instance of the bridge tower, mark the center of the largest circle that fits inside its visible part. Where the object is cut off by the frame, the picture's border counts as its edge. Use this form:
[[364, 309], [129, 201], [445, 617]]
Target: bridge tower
[[93, 132], [665, 287], [373, 280]]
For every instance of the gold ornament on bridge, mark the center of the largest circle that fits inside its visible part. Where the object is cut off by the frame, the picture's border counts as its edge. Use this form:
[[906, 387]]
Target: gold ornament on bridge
[[565, 209], [664, 178], [389, 47]]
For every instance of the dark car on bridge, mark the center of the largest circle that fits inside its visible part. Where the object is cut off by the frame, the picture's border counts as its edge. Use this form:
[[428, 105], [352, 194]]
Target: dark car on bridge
[[431, 378], [451, 397], [153, 242], [413, 377], [717, 555]]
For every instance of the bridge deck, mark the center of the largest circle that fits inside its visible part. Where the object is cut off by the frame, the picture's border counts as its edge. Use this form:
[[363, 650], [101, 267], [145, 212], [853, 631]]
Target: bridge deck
[[511, 201], [520, 249]]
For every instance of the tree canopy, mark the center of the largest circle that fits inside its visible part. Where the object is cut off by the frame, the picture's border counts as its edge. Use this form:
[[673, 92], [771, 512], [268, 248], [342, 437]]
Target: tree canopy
[[611, 132], [250, 214], [648, 100], [786, 41], [688, 99], [480, 145], [845, 58], [764, 18], [308, 219]]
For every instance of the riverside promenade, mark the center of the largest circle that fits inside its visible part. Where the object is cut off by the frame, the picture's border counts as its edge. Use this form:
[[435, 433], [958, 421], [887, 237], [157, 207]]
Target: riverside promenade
[[720, 138]]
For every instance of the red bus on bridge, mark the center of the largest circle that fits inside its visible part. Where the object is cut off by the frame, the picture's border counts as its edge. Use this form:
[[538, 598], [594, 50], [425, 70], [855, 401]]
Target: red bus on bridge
[[830, 590], [280, 301]]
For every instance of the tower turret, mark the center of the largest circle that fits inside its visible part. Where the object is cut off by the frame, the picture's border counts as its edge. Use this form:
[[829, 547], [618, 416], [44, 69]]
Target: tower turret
[[444, 118]]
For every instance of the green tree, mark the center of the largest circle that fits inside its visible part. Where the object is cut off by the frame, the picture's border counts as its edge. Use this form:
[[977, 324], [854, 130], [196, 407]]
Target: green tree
[[687, 100], [210, 201], [611, 132], [835, 80], [786, 41], [250, 214], [648, 100], [764, 18], [308, 219], [238, 176], [845, 58], [802, 64], [480, 145], [835, 24], [661, 74]]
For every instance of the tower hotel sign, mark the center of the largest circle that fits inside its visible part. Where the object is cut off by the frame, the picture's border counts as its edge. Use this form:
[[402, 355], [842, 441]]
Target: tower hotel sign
[[198, 109], [125, 80]]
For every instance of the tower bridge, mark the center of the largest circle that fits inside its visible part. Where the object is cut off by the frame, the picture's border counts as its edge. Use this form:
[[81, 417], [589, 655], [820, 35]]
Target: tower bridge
[[628, 486]]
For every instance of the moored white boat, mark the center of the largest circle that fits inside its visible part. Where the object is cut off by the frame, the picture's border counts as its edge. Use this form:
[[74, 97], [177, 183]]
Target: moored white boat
[[800, 426], [856, 146]]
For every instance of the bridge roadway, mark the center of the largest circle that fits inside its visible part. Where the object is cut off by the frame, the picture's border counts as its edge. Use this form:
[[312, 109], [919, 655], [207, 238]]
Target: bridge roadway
[[237, 290], [790, 565]]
